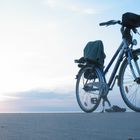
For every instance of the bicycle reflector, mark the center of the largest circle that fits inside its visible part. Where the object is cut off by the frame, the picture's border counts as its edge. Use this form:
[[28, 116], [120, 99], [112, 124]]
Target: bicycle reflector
[[126, 89]]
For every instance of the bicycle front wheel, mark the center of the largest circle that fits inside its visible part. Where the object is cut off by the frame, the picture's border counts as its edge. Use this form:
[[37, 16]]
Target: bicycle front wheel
[[88, 90], [130, 86]]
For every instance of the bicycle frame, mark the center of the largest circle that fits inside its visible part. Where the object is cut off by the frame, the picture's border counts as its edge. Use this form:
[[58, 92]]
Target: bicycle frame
[[120, 53], [126, 69]]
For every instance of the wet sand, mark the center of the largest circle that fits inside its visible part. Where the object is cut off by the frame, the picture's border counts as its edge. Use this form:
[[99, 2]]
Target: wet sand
[[69, 126]]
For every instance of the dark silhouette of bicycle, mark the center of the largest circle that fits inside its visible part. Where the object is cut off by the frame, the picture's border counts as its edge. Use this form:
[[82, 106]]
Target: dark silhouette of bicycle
[[94, 88]]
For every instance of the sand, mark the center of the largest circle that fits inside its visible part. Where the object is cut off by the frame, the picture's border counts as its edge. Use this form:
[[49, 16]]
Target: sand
[[70, 126]]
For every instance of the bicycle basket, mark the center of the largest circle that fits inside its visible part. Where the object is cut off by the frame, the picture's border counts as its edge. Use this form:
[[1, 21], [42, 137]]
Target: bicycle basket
[[130, 20]]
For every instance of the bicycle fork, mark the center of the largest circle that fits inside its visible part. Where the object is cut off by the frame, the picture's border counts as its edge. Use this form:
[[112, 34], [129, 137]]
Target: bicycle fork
[[135, 73]]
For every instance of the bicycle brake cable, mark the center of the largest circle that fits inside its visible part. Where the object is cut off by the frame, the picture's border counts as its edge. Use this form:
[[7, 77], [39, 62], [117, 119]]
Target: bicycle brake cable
[[138, 32]]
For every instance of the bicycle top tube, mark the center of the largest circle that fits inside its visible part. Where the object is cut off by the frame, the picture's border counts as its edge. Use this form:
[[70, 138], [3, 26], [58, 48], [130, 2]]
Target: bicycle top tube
[[126, 41]]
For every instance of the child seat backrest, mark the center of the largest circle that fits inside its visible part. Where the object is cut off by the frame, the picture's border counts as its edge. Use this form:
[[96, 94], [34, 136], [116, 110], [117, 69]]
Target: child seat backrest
[[94, 52]]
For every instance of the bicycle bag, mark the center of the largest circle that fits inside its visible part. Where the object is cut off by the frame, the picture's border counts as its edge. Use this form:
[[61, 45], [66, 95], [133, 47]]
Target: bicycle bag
[[94, 52], [130, 20]]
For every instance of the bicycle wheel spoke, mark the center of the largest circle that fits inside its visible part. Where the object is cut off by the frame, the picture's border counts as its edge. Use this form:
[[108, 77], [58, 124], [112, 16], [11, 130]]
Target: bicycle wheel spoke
[[130, 85], [128, 82], [87, 93]]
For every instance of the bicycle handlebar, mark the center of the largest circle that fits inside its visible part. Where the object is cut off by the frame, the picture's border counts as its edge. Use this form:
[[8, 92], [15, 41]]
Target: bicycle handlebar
[[110, 22], [113, 22]]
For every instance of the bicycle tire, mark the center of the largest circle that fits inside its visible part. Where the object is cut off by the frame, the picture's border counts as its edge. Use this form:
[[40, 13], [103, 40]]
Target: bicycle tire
[[88, 99], [129, 87]]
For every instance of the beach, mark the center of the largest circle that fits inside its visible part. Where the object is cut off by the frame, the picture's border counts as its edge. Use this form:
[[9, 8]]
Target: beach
[[69, 126]]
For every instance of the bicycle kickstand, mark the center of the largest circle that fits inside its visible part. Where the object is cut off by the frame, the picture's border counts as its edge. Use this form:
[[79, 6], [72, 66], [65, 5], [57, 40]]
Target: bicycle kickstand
[[105, 99]]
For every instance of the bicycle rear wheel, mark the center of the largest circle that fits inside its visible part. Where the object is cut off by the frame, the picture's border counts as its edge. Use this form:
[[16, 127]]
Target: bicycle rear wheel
[[130, 86], [88, 90]]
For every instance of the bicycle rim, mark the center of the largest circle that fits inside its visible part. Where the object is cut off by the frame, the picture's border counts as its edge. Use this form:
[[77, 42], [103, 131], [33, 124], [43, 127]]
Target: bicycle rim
[[88, 91], [129, 87]]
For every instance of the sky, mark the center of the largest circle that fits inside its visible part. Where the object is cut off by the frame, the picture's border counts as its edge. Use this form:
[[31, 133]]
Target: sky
[[39, 40]]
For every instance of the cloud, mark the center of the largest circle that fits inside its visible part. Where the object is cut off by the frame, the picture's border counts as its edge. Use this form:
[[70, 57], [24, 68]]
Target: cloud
[[40, 101], [43, 100], [71, 6], [83, 10], [52, 3]]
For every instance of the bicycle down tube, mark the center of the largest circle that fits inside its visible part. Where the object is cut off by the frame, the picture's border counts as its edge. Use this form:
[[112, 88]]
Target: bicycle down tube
[[120, 52]]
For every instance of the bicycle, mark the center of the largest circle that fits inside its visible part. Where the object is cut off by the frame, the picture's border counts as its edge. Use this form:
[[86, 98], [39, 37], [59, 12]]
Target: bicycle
[[90, 91]]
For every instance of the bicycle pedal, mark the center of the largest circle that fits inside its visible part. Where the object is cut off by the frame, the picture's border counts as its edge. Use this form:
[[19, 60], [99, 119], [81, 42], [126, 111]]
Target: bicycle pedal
[[94, 100]]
